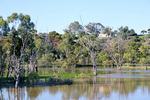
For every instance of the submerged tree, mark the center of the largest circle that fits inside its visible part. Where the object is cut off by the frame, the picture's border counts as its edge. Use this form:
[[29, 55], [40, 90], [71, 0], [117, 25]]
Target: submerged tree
[[22, 28], [115, 48], [71, 49], [90, 41]]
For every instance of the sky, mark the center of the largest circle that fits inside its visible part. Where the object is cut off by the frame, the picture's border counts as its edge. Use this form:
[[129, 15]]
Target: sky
[[56, 15]]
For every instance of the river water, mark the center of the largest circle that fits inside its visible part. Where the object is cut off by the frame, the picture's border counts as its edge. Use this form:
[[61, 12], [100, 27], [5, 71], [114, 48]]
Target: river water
[[110, 84]]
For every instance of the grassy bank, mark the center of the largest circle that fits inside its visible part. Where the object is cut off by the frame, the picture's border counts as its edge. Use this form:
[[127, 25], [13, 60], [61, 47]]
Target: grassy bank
[[135, 67], [45, 79]]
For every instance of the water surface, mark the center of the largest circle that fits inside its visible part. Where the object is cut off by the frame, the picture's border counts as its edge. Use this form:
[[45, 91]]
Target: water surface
[[110, 84]]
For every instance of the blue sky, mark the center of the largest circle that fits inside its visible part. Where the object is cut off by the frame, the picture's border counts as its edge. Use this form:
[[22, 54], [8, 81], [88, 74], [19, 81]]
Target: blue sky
[[58, 14]]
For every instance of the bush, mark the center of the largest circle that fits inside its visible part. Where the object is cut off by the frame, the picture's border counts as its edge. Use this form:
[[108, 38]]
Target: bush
[[33, 76], [65, 65]]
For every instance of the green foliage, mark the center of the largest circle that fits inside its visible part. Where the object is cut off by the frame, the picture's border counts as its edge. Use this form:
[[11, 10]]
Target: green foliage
[[127, 57], [4, 27], [116, 55], [47, 59], [55, 36], [132, 52], [125, 32], [70, 49], [144, 50], [107, 31], [33, 76], [65, 65], [81, 34], [143, 61], [104, 59], [143, 31], [74, 28]]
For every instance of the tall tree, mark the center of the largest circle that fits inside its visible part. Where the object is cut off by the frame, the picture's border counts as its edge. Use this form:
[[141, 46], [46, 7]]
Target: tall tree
[[107, 31], [143, 31], [144, 51], [22, 28], [74, 28], [115, 48], [90, 41], [4, 29], [148, 30], [70, 49], [37, 44], [131, 54]]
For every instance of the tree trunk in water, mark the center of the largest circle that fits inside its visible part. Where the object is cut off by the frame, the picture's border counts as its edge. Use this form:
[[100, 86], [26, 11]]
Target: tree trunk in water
[[146, 67], [118, 67], [31, 64], [17, 81], [9, 65], [12, 68], [53, 69], [23, 61], [36, 65], [94, 66], [18, 75]]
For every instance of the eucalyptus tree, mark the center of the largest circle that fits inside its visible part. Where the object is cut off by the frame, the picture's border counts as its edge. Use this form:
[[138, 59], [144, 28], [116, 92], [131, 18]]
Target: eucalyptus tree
[[74, 28], [50, 58], [7, 48], [88, 38], [91, 42], [70, 49], [104, 59], [22, 27], [38, 44], [131, 54], [107, 31], [125, 32], [115, 48], [144, 53], [143, 31], [148, 30], [4, 29]]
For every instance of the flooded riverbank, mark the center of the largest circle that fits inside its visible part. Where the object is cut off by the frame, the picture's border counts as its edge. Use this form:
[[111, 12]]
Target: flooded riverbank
[[110, 85]]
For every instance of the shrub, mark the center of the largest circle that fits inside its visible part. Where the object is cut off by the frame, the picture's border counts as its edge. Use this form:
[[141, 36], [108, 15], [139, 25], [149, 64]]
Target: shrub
[[65, 65], [33, 76]]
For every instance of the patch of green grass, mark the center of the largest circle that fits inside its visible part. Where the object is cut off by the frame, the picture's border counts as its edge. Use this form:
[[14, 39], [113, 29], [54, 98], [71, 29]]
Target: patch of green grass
[[67, 75], [135, 67], [64, 75], [42, 77]]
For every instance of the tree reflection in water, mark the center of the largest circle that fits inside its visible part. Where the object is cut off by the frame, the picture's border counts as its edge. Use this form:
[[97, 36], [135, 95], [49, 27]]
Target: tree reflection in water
[[93, 88]]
